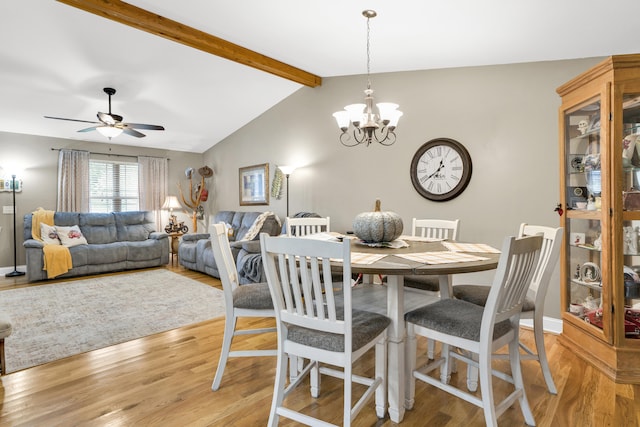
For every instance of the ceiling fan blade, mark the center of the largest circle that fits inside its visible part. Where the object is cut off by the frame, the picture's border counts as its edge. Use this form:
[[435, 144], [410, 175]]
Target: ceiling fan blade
[[143, 126], [70, 120], [109, 119], [133, 132], [88, 129]]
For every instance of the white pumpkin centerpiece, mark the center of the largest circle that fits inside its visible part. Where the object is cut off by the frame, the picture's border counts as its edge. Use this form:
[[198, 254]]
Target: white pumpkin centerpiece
[[377, 226]]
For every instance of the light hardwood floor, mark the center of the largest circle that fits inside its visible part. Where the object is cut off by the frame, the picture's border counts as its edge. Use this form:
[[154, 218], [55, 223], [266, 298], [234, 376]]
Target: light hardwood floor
[[165, 380]]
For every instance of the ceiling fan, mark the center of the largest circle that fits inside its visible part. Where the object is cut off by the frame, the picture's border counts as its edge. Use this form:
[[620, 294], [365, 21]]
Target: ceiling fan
[[111, 125]]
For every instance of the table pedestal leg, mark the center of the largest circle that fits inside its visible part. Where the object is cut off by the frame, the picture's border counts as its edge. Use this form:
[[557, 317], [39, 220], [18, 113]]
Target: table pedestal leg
[[396, 335]]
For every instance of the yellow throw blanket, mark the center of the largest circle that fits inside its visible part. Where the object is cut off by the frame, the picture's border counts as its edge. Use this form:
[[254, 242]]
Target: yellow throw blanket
[[57, 258], [40, 216]]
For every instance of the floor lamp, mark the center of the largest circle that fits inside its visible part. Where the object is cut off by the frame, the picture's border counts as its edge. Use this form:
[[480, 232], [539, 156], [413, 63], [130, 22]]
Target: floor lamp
[[287, 170], [15, 271]]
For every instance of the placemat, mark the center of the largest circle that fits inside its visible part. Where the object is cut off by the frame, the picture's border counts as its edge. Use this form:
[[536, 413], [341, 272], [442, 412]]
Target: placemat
[[362, 258], [470, 247], [420, 238], [441, 257]]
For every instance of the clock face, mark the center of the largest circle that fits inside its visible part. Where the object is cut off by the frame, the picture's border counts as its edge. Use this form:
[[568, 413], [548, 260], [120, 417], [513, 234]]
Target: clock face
[[441, 169]]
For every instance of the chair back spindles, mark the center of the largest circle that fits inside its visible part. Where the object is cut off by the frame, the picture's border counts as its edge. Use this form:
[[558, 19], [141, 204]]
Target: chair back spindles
[[512, 281], [435, 228], [300, 227]]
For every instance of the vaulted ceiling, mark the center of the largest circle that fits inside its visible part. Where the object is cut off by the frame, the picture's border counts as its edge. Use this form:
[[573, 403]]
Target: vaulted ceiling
[[56, 58]]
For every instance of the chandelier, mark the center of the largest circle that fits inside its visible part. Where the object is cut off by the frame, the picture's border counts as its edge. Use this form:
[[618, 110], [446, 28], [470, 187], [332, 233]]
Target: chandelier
[[359, 123]]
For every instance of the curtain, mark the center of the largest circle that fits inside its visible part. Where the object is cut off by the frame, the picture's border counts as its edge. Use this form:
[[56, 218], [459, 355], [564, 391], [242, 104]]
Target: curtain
[[153, 182], [73, 181]]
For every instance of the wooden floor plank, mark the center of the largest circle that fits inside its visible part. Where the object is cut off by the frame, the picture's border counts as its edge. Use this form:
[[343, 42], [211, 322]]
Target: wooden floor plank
[[165, 380]]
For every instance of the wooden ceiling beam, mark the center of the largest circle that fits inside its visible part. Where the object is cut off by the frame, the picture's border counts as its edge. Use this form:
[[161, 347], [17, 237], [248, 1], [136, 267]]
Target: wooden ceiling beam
[[144, 20]]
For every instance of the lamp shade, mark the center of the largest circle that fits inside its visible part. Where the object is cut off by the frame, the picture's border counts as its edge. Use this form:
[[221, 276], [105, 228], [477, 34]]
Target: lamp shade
[[171, 202], [287, 170]]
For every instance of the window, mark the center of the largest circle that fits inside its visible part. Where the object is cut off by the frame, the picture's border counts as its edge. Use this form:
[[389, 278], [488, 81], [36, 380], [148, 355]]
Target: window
[[113, 186]]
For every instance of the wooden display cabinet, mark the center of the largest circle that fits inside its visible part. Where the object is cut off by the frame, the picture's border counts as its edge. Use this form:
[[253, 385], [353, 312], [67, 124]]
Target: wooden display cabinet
[[599, 174]]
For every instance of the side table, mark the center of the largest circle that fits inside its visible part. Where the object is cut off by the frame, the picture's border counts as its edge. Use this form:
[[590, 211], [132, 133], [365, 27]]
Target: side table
[[175, 242]]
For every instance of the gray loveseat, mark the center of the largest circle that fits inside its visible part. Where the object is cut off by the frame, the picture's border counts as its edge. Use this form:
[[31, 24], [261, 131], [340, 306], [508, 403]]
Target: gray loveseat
[[195, 252], [116, 241]]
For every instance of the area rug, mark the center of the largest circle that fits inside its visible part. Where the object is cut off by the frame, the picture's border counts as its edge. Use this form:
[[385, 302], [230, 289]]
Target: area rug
[[53, 321]]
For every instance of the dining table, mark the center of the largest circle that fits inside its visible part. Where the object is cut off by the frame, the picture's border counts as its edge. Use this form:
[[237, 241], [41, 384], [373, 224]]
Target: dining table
[[413, 256]]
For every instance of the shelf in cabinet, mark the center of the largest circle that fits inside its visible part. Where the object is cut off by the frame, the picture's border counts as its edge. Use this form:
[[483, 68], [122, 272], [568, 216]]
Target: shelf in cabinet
[[591, 132], [584, 214], [631, 215], [587, 247], [590, 285]]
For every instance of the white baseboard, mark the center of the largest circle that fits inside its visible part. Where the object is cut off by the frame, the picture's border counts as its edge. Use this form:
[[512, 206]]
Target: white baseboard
[[5, 270], [550, 324]]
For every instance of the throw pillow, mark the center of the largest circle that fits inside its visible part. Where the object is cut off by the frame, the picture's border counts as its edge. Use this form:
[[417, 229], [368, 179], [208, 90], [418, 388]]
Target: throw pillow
[[71, 236], [49, 234]]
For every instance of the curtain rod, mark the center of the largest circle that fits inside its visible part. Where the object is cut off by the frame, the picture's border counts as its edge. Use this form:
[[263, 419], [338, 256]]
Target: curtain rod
[[110, 154]]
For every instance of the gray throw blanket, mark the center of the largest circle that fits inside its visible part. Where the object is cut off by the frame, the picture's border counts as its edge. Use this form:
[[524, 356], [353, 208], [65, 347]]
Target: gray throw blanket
[[251, 269]]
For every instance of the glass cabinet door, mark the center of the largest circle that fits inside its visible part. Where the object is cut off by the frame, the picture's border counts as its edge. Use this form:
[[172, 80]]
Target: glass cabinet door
[[583, 227], [631, 217]]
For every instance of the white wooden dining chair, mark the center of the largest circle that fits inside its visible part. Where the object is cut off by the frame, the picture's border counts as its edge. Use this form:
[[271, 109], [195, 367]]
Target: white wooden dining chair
[[307, 225], [433, 229], [300, 227], [534, 303], [250, 300], [316, 324], [479, 331]]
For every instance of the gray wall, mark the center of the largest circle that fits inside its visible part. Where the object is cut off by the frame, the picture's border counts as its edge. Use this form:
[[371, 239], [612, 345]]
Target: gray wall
[[506, 116], [39, 165]]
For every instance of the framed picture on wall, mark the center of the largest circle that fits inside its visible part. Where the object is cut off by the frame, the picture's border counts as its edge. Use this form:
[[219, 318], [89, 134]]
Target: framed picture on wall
[[254, 185]]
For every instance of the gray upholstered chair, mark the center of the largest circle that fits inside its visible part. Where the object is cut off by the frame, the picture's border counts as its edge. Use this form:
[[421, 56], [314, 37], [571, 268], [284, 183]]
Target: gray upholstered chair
[[317, 325], [5, 331], [479, 331], [250, 300], [533, 307]]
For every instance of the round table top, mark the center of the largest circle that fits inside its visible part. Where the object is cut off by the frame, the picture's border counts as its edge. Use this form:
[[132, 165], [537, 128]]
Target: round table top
[[393, 264]]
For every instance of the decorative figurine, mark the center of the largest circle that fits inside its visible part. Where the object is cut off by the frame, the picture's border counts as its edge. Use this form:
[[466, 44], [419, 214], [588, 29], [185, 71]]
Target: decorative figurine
[[597, 243], [175, 227], [630, 240], [582, 126]]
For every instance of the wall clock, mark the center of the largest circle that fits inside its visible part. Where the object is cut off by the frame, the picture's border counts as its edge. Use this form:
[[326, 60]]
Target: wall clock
[[441, 169]]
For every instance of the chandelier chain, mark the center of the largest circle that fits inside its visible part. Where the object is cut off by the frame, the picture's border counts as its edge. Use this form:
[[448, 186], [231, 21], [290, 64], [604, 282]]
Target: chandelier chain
[[368, 53]]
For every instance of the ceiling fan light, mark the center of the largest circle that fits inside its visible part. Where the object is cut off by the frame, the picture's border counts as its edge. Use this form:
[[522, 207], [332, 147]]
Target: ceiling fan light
[[109, 131]]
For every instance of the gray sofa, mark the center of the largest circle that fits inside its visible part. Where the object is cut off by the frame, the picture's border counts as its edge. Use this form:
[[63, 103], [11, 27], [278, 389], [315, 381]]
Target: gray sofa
[[195, 252], [116, 241]]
